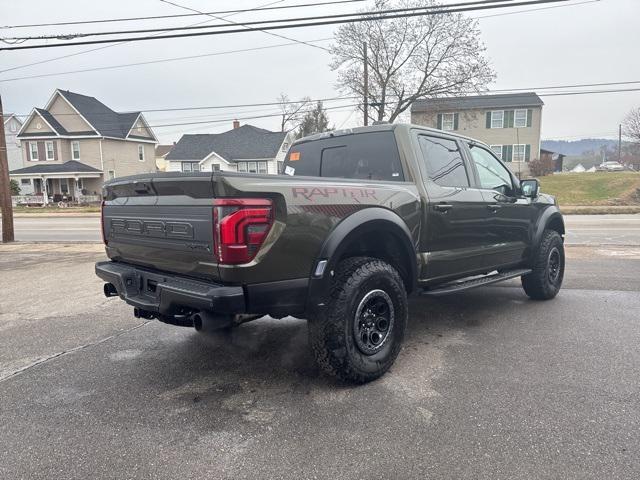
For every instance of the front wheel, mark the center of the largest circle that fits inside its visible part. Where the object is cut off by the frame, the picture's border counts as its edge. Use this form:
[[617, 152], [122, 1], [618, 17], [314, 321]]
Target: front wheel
[[360, 335], [544, 282]]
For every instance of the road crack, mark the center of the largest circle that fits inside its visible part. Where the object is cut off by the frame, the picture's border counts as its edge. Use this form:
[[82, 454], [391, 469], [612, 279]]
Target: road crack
[[53, 356]]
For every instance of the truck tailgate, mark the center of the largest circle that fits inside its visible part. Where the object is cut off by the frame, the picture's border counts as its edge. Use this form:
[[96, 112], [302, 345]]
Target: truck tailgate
[[157, 222]]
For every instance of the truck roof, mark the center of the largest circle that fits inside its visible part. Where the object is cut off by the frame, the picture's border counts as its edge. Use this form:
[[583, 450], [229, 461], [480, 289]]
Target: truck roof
[[383, 127]]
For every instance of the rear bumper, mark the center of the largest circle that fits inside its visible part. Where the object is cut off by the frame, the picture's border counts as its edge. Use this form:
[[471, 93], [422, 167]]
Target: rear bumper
[[165, 293]]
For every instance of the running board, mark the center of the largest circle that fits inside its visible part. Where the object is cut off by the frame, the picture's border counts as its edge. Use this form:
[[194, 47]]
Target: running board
[[456, 287]]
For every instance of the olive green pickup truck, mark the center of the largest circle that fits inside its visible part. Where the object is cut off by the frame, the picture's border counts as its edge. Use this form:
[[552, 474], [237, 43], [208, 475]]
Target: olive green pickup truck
[[357, 221]]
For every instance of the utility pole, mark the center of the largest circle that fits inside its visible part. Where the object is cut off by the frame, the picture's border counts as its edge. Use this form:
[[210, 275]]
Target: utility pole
[[5, 187], [366, 84], [620, 143]]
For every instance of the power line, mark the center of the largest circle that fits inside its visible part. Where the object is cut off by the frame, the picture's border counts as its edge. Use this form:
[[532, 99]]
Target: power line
[[244, 25], [182, 15], [67, 36], [40, 62], [346, 97], [378, 16], [151, 62], [535, 9]]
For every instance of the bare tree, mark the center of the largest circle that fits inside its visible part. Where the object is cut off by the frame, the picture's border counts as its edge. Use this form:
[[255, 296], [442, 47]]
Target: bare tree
[[292, 112], [410, 58], [631, 125]]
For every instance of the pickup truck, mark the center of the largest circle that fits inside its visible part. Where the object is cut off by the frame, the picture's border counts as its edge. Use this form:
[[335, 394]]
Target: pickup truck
[[360, 220]]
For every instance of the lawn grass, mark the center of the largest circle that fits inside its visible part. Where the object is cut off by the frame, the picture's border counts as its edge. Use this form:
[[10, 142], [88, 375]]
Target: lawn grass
[[598, 188]]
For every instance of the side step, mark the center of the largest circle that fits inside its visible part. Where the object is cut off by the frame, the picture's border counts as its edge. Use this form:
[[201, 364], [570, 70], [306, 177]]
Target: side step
[[460, 286]]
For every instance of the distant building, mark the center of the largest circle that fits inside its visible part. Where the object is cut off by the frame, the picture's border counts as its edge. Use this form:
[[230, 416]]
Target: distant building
[[161, 156], [12, 125], [70, 147], [243, 149], [556, 158], [509, 123]]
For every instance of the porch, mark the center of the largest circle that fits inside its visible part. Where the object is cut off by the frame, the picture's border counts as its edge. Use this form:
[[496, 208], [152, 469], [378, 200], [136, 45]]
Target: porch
[[70, 182]]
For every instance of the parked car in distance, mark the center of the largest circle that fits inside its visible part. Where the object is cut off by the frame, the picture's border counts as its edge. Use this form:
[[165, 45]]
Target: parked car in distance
[[361, 219], [610, 166]]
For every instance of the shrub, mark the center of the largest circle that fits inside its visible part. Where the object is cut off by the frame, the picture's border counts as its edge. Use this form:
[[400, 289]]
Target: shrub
[[15, 188], [541, 167]]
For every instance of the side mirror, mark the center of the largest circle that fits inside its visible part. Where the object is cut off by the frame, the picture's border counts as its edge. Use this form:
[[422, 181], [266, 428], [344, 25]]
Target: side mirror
[[530, 188]]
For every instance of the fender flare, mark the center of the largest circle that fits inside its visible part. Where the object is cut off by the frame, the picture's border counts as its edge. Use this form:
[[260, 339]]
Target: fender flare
[[549, 215], [368, 220]]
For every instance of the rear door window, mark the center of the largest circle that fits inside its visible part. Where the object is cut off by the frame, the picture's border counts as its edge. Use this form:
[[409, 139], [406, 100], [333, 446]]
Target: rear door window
[[443, 161], [365, 156]]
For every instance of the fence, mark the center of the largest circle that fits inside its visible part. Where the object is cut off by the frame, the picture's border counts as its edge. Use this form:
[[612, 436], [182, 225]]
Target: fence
[[38, 200]]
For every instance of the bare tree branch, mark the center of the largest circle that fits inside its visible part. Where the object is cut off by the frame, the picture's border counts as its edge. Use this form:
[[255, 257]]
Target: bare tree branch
[[410, 58]]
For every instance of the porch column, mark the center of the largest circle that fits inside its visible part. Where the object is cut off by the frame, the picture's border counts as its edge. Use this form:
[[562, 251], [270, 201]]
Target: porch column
[[45, 193]]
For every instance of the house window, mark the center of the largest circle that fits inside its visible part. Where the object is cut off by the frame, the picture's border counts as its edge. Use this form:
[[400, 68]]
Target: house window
[[50, 153], [497, 119], [497, 151], [520, 118], [64, 186], [519, 152], [242, 167], [262, 167], [448, 121], [33, 151], [111, 174], [25, 181], [141, 153], [215, 167], [189, 167], [75, 150], [252, 167]]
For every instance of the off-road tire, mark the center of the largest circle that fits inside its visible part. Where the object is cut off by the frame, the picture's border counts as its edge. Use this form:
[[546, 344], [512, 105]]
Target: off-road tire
[[544, 282], [331, 334]]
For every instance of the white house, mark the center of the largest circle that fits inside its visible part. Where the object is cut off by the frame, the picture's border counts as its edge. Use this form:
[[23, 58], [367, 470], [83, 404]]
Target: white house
[[12, 126], [243, 149]]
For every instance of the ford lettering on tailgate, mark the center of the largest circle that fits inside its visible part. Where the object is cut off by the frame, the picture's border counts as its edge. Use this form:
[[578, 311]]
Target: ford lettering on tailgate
[[152, 228]]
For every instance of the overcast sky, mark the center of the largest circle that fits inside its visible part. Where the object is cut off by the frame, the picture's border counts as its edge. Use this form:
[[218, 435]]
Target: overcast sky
[[590, 42]]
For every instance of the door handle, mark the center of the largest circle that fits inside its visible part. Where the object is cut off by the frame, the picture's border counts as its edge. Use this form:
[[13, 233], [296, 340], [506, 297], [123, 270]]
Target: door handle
[[442, 207], [494, 207]]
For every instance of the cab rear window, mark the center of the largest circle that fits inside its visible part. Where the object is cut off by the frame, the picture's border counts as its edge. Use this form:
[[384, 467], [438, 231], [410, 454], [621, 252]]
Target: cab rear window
[[364, 156]]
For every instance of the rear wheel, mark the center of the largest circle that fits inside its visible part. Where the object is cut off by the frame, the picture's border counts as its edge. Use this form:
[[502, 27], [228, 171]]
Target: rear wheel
[[360, 335], [544, 282]]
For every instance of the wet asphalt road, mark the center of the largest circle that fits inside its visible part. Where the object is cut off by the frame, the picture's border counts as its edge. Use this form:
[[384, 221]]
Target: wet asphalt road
[[489, 385], [581, 229]]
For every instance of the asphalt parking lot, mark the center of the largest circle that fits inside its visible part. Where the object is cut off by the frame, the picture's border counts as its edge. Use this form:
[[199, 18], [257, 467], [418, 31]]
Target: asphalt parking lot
[[489, 385]]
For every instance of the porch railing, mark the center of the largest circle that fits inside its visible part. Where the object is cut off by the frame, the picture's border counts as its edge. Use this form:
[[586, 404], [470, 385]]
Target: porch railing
[[38, 200]]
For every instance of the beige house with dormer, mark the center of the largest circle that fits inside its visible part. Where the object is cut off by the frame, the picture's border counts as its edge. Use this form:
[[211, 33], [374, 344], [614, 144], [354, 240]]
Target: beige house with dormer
[[510, 123], [75, 143]]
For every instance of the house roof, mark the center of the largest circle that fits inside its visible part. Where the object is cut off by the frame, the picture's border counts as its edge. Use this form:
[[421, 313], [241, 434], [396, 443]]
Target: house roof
[[8, 116], [162, 150], [72, 166], [107, 122], [246, 142], [527, 99], [50, 119]]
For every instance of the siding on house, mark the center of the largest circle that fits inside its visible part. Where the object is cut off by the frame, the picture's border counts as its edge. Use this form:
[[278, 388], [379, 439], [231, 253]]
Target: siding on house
[[472, 118], [472, 123]]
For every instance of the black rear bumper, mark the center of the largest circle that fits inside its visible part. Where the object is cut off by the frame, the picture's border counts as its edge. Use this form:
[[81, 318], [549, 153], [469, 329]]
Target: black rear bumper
[[166, 294]]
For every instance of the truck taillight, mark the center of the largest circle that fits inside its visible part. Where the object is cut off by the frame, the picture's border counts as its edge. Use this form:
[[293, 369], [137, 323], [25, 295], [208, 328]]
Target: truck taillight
[[240, 226], [104, 238]]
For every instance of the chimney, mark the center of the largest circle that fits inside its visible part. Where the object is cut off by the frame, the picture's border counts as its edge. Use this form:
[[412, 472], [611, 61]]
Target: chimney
[[236, 124]]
